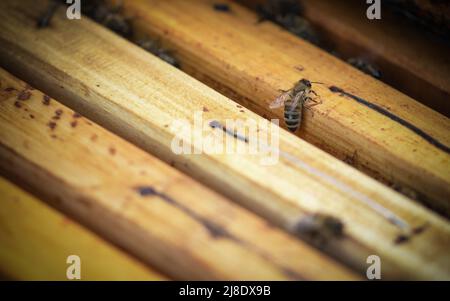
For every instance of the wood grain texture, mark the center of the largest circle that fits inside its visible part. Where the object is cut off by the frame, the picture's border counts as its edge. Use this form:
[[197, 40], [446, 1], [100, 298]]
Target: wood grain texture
[[140, 203], [138, 96], [250, 62], [36, 241], [430, 14]]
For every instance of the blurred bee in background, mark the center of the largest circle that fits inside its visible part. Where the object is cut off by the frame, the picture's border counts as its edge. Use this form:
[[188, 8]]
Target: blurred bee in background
[[287, 14], [98, 11], [112, 18], [222, 7], [293, 101], [319, 228], [44, 19], [155, 48], [365, 66]]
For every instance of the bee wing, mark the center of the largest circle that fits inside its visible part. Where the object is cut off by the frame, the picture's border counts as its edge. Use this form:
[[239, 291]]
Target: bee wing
[[295, 101], [279, 101]]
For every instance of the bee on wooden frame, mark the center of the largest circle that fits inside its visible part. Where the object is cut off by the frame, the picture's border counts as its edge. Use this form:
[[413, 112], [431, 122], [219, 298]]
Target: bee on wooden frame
[[155, 48], [98, 11], [109, 17], [319, 228], [293, 101]]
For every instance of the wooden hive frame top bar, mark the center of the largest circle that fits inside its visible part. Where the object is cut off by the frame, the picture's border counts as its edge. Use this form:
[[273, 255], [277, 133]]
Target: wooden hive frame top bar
[[410, 59]]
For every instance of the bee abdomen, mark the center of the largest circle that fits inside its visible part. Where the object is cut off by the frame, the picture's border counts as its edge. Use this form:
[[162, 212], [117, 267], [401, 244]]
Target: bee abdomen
[[292, 119]]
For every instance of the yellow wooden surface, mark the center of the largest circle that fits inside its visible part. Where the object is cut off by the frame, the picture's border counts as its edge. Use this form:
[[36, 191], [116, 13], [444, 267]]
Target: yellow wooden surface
[[138, 96], [250, 62], [185, 230], [36, 240]]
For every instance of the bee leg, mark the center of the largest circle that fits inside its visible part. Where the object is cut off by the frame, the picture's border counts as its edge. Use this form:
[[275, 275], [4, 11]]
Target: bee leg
[[313, 100], [312, 105]]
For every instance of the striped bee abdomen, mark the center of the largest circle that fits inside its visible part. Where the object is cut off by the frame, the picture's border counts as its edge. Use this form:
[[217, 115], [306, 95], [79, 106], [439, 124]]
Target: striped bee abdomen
[[292, 117]]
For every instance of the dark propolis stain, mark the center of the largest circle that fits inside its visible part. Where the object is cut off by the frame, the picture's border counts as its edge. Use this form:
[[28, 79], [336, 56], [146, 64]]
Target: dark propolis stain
[[17, 104], [214, 230], [52, 125], [223, 7], [9, 89], [24, 95], [216, 124], [46, 100], [76, 115], [58, 112], [393, 117], [74, 124]]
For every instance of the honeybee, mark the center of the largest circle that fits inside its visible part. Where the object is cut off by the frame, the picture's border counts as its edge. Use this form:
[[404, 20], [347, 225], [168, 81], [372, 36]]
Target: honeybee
[[44, 19], [288, 14], [300, 27], [270, 9], [110, 17], [293, 101], [319, 228], [222, 7]]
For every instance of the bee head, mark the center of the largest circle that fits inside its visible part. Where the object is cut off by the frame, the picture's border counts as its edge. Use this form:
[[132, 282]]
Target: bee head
[[305, 82]]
